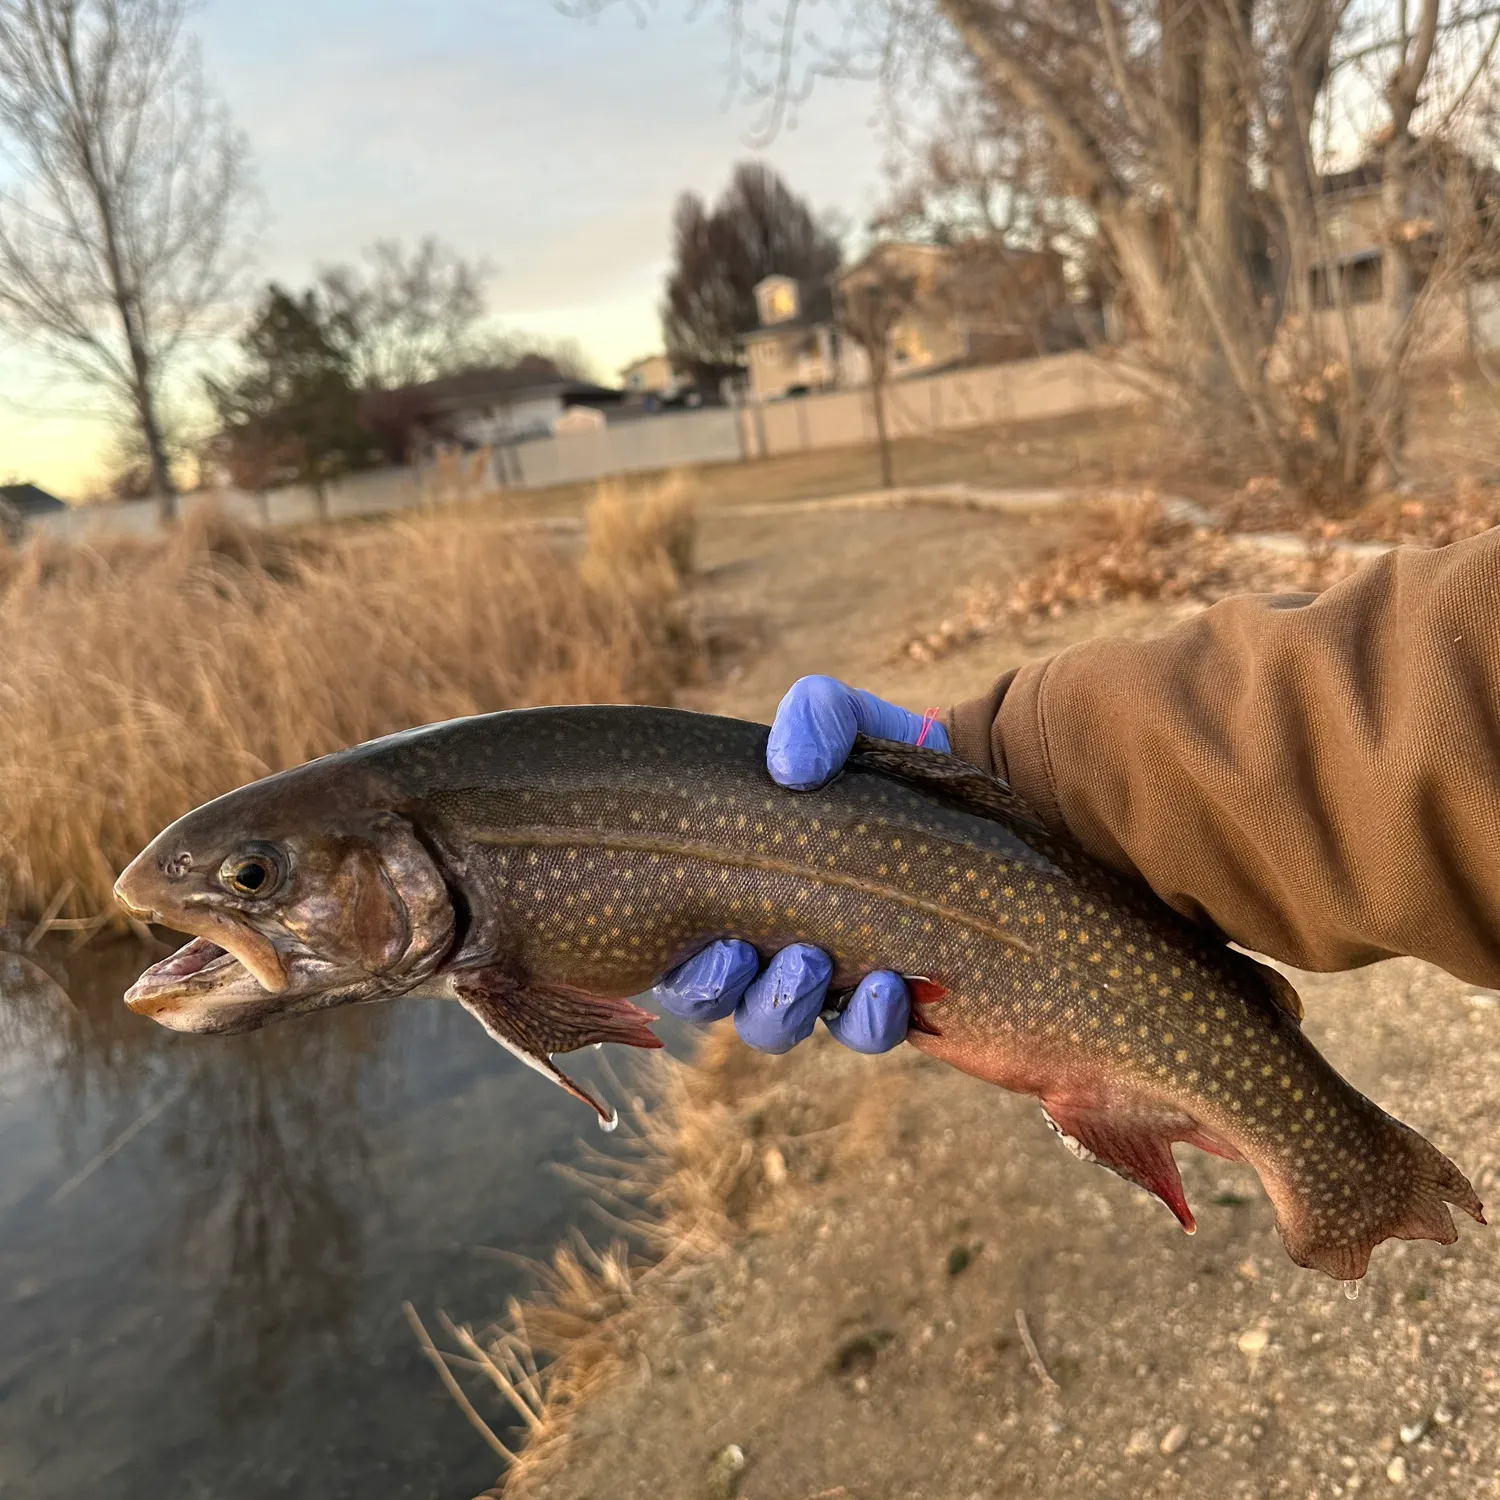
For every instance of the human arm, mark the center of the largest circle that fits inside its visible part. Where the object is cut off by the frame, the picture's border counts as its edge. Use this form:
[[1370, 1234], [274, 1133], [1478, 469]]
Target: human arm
[[1319, 779]]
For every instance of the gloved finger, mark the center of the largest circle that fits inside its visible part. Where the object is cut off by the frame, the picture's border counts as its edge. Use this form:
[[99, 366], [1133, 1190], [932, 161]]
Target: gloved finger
[[711, 983], [816, 723], [877, 1015], [781, 1007]]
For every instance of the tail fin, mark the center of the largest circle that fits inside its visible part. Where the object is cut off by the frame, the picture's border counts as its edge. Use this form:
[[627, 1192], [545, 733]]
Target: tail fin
[[1398, 1186]]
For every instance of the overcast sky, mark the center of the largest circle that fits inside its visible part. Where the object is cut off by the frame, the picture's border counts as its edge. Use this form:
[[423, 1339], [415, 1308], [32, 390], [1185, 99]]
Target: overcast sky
[[552, 147]]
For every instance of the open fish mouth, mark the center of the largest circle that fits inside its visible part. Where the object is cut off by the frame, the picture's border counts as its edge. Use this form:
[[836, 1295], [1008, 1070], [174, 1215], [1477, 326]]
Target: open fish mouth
[[199, 969]]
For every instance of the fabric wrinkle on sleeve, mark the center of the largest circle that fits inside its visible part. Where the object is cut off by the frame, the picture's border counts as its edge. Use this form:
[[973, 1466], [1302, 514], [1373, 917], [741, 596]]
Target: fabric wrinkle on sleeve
[[1317, 778]]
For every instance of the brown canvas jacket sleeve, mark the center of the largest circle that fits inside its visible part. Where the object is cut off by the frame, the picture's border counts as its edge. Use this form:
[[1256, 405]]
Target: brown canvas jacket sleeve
[[1320, 779]]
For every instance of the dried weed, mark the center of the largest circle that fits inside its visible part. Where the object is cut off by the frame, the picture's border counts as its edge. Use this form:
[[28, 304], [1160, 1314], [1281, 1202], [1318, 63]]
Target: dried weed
[[732, 1145], [141, 678], [1128, 551]]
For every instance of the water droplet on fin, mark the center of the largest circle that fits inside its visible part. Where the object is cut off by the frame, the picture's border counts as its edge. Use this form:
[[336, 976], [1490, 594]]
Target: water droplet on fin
[[1351, 1290], [598, 1046], [612, 1122]]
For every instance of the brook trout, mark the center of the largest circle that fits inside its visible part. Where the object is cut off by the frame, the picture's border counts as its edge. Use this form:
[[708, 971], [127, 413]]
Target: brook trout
[[540, 866]]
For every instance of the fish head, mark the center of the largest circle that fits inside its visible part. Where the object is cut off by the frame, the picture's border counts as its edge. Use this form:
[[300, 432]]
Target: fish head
[[301, 892]]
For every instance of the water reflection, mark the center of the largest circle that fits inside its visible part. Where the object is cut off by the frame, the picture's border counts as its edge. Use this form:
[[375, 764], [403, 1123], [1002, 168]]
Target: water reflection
[[205, 1241], [262, 1136]]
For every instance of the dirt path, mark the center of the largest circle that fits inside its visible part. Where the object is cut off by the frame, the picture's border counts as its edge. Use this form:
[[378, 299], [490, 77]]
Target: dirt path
[[869, 1346]]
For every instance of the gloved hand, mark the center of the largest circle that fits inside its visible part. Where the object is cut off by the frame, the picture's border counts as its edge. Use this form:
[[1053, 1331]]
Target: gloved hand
[[776, 1007]]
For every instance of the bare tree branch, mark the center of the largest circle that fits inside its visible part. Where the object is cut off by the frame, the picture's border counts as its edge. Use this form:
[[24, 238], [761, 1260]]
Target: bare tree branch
[[124, 233]]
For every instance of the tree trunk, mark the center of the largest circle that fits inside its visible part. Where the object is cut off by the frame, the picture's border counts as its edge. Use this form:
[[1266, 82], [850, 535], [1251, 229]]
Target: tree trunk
[[1398, 270], [882, 437], [161, 474]]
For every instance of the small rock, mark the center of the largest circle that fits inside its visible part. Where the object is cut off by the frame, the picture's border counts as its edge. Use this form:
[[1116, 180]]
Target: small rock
[[1249, 1270], [725, 1471], [773, 1164], [1385, 1445], [1253, 1342], [1140, 1442], [1395, 1471], [1175, 1438], [1443, 1415], [1414, 1432], [1482, 1000]]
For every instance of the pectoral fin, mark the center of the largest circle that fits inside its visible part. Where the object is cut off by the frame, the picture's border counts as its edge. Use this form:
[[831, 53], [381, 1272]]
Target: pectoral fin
[[535, 1021]]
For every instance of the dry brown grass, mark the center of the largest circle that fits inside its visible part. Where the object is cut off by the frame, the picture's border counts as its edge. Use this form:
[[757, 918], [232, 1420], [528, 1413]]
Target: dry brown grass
[[139, 679], [733, 1144], [1129, 550]]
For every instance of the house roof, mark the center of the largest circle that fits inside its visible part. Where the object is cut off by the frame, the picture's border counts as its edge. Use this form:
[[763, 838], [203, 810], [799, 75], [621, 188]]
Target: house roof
[[529, 378], [29, 500]]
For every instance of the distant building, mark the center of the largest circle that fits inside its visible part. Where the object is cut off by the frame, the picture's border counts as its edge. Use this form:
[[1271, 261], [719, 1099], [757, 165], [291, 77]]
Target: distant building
[[22, 503], [796, 348], [651, 376], [974, 302], [485, 408]]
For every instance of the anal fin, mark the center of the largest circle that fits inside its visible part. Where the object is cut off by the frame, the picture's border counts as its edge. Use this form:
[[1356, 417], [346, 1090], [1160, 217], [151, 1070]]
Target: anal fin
[[535, 1021], [1137, 1147]]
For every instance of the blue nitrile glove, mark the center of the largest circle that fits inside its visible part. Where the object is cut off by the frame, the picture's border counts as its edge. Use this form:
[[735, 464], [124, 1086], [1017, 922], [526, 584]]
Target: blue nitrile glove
[[777, 1007]]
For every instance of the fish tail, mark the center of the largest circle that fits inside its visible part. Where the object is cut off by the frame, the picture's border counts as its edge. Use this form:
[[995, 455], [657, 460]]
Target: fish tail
[[1400, 1188]]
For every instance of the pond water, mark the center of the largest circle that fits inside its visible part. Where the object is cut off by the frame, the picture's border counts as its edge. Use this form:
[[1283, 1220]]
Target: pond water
[[205, 1242]]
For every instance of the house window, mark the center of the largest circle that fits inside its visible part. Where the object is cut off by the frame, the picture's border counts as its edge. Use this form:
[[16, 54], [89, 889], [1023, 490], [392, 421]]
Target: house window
[[1355, 282]]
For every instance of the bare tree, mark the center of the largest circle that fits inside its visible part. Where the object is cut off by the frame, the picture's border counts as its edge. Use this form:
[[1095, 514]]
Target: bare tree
[[873, 299], [126, 224], [1194, 136], [407, 318]]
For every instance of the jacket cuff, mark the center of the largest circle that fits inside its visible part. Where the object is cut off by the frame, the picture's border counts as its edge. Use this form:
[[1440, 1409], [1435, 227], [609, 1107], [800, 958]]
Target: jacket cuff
[[1004, 732]]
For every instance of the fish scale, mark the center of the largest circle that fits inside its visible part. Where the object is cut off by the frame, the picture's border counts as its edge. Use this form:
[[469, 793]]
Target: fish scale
[[590, 850]]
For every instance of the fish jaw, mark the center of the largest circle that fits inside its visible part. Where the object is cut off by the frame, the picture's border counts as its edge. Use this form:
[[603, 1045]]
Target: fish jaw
[[202, 988], [256, 952]]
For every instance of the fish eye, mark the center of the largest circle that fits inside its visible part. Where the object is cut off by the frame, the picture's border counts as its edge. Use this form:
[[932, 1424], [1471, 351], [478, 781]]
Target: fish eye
[[256, 871]]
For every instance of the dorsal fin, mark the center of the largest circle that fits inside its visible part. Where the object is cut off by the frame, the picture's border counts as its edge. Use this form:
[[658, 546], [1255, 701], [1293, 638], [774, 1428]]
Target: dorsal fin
[[1283, 992], [956, 782]]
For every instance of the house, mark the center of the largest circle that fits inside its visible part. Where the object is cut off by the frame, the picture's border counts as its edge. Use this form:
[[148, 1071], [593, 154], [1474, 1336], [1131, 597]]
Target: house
[[1346, 283], [651, 376], [487, 407], [21, 504], [796, 347], [972, 302]]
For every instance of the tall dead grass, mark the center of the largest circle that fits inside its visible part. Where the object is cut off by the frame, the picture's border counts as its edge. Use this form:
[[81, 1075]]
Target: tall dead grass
[[139, 679]]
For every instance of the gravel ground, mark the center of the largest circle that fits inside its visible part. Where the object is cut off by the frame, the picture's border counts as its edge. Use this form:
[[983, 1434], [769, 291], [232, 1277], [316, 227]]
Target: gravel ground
[[870, 1346]]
